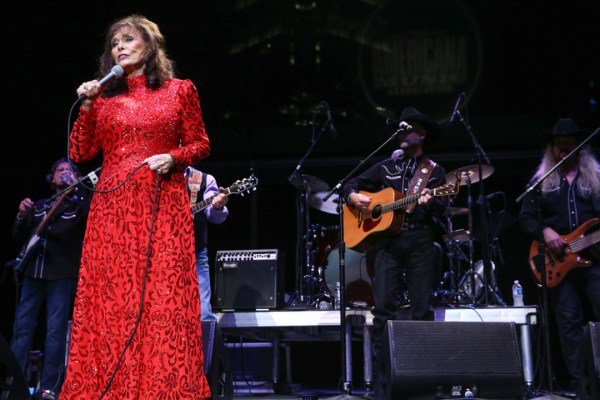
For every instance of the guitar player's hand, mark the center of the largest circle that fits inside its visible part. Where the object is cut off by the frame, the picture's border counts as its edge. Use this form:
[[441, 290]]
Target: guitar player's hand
[[24, 208], [220, 200], [553, 240], [360, 201], [426, 197]]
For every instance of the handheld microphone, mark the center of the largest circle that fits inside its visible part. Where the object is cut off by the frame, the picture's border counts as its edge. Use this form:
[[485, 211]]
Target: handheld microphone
[[456, 106], [115, 72]]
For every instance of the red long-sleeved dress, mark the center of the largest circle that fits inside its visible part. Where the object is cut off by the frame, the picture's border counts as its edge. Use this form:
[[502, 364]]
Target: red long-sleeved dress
[[165, 358]]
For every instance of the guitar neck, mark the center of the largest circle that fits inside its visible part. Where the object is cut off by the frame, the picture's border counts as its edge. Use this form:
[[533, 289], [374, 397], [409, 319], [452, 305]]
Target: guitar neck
[[585, 242], [403, 202], [196, 208], [51, 212]]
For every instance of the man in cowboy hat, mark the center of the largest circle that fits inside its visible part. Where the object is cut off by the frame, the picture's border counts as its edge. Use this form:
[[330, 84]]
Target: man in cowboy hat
[[412, 249], [569, 197]]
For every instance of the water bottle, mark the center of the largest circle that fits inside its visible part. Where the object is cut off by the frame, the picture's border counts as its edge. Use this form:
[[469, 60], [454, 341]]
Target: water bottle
[[517, 292], [338, 295], [469, 394]]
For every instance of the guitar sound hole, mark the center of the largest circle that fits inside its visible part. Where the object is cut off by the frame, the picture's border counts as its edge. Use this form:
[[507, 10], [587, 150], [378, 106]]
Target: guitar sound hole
[[376, 212]]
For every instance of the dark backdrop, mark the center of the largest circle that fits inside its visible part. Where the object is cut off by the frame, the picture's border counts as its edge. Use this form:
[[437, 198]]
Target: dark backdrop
[[255, 65]]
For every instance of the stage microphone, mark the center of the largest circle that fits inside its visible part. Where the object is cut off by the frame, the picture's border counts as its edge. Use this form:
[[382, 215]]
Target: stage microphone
[[334, 132], [403, 125], [115, 72], [456, 106]]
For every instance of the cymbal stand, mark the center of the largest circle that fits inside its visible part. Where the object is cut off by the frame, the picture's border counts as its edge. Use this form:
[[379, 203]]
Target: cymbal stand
[[303, 218], [471, 273], [485, 247], [455, 257]]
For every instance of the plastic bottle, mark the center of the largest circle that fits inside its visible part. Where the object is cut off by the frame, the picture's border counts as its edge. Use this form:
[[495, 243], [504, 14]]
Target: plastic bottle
[[338, 295], [469, 394], [517, 293]]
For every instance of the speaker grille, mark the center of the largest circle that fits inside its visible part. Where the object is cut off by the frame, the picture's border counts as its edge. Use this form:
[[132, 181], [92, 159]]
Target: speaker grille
[[424, 358], [454, 349]]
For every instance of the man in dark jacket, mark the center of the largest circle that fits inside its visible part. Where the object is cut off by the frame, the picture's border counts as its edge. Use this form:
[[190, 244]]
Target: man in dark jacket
[[50, 270]]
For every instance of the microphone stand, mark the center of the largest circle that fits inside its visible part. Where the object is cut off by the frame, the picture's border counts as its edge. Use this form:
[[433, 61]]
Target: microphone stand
[[347, 375], [303, 214], [540, 259], [487, 267]]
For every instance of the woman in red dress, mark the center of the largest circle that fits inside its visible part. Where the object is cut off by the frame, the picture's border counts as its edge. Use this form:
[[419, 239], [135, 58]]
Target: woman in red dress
[[136, 325]]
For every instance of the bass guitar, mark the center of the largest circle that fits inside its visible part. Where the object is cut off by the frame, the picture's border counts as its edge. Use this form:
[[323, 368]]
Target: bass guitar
[[384, 217], [238, 187], [558, 265], [36, 241]]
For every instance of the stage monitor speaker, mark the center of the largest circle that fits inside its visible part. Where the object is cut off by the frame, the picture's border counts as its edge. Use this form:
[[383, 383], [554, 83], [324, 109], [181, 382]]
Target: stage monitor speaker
[[12, 381], [590, 373], [428, 360], [216, 362], [249, 279]]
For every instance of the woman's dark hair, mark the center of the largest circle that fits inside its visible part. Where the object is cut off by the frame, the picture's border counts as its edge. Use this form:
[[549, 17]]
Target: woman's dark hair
[[55, 165], [158, 67]]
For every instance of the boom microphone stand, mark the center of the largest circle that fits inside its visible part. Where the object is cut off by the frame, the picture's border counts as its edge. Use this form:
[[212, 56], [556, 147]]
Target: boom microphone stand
[[540, 259], [346, 375]]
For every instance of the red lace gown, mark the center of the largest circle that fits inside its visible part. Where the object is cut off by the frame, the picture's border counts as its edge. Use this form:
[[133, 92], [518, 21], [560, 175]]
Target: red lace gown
[[165, 358]]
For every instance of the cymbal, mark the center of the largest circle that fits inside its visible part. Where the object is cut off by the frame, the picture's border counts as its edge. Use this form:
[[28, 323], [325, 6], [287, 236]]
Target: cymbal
[[454, 211], [312, 183], [329, 206], [471, 171], [459, 236]]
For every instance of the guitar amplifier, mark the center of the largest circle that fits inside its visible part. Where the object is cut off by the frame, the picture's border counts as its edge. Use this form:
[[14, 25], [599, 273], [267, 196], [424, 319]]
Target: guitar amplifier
[[249, 279]]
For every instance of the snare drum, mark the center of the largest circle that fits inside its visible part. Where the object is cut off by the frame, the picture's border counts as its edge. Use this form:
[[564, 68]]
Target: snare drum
[[358, 281]]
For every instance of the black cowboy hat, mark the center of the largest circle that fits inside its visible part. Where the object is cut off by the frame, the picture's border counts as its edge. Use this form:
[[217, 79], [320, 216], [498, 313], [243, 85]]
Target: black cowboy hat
[[565, 127], [411, 114]]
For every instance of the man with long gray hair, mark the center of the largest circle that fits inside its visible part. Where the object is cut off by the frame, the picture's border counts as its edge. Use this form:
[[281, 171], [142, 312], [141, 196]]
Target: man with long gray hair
[[569, 197]]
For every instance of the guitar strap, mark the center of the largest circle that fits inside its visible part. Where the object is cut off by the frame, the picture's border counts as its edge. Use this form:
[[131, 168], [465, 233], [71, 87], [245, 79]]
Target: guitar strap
[[419, 180], [194, 182]]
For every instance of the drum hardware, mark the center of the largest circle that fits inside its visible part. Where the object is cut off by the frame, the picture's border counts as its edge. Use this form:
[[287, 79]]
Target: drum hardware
[[303, 296]]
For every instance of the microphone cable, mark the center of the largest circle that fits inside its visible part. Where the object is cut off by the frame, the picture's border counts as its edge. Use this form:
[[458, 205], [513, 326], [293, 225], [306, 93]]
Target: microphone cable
[[142, 292]]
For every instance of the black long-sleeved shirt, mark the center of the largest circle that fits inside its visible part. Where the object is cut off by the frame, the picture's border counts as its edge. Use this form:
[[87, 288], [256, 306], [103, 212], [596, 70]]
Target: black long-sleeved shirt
[[60, 254], [397, 174], [562, 210]]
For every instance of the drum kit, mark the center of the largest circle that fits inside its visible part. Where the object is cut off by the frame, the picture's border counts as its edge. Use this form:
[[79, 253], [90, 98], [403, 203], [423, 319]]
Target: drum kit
[[461, 283]]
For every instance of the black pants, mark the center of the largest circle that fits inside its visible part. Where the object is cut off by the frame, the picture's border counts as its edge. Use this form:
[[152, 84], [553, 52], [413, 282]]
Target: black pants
[[413, 252], [567, 300]]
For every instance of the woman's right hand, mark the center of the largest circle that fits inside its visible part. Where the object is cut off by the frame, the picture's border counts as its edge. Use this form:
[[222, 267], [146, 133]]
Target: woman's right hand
[[24, 208], [91, 90]]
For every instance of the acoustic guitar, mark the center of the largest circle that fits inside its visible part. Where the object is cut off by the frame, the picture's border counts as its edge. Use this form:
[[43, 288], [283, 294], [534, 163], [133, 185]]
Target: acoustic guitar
[[559, 265], [384, 217]]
